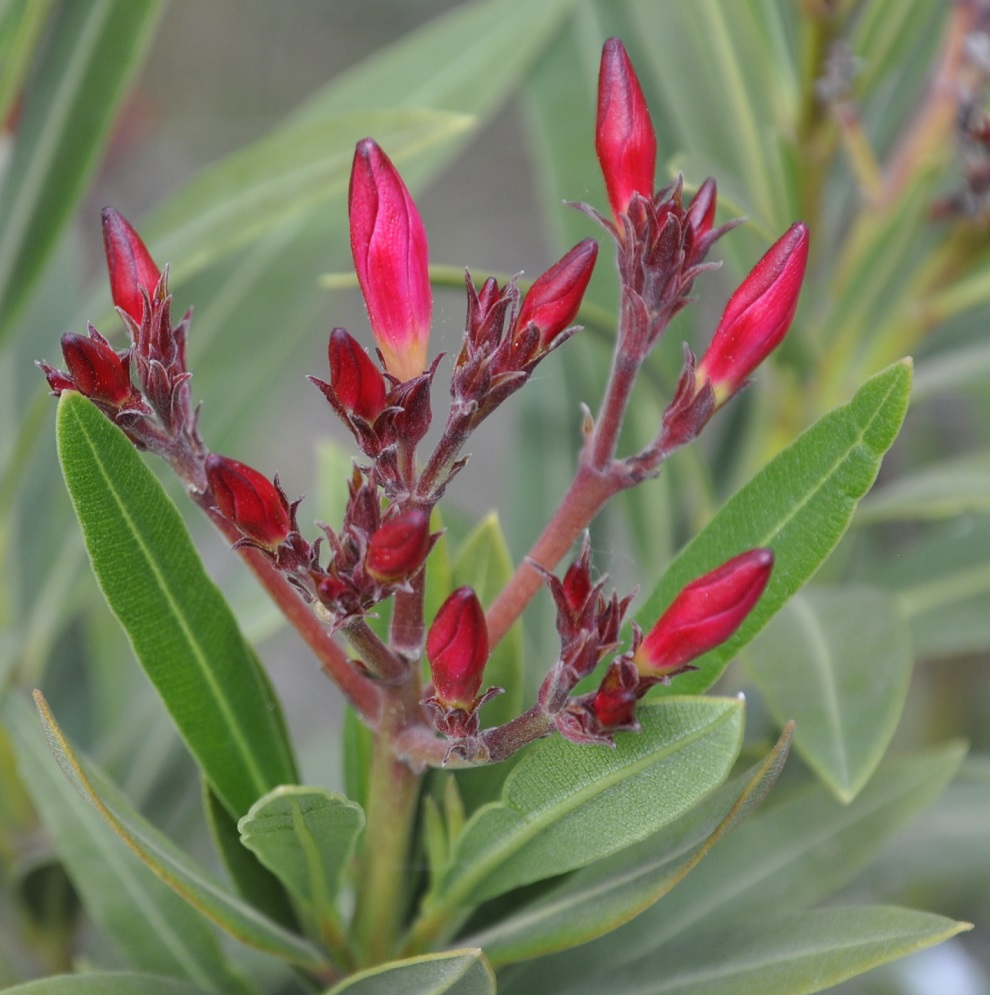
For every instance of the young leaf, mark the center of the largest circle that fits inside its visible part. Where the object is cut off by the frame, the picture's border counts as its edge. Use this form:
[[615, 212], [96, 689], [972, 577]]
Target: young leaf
[[838, 661], [173, 866], [151, 926], [800, 504], [559, 805], [806, 952], [457, 972], [253, 881], [598, 898], [181, 629], [306, 837]]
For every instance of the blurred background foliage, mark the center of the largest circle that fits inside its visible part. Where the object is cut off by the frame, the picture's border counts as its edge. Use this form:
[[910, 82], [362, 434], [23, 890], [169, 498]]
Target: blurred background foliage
[[224, 132]]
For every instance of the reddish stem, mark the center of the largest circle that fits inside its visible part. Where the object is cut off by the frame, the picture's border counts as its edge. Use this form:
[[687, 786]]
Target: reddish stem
[[363, 694]]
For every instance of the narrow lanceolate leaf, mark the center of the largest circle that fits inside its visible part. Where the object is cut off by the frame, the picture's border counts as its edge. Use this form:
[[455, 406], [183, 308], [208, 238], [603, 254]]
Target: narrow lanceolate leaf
[[838, 661], [101, 982], [807, 952], [559, 804], [297, 168], [152, 927], [800, 505], [80, 74], [798, 849], [306, 837], [596, 899], [454, 972], [181, 629], [170, 864]]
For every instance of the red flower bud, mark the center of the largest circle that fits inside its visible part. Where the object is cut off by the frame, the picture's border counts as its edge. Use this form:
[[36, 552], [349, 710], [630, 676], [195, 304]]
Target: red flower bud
[[357, 383], [706, 613], [624, 138], [249, 500], [576, 585], [614, 703], [129, 263], [96, 370], [391, 258], [757, 316], [399, 547], [555, 297], [457, 648]]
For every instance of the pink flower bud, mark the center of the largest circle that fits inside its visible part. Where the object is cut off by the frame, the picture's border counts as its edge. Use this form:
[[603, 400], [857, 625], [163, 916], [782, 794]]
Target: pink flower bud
[[96, 370], [399, 547], [129, 263], [391, 258], [457, 648], [624, 138], [249, 500], [357, 383], [757, 316], [706, 613], [555, 297]]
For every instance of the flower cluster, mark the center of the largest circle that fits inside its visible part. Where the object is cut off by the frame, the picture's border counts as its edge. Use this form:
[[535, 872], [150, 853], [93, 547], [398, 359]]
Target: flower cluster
[[385, 401]]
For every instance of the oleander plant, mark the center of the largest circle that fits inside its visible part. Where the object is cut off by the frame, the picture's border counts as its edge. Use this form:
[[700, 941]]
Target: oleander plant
[[690, 707]]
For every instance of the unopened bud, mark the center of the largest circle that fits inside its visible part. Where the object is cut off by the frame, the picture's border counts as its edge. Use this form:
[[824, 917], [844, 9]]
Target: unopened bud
[[757, 316], [249, 500], [457, 648], [399, 547], [97, 371], [705, 614], [555, 297], [391, 257], [129, 263], [357, 383], [624, 137]]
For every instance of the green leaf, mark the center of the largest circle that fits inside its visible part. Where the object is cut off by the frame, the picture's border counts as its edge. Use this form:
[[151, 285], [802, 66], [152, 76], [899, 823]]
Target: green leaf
[[153, 928], [79, 76], [944, 489], [942, 582], [484, 562], [798, 849], [173, 866], [102, 982], [598, 898], [307, 161], [294, 170], [484, 57], [838, 661], [454, 972], [559, 804], [806, 952], [306, 837], [800, 504], [182, 631]]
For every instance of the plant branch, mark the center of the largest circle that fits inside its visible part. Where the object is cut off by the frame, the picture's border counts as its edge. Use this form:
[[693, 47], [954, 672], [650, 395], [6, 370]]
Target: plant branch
[[363, 694]]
